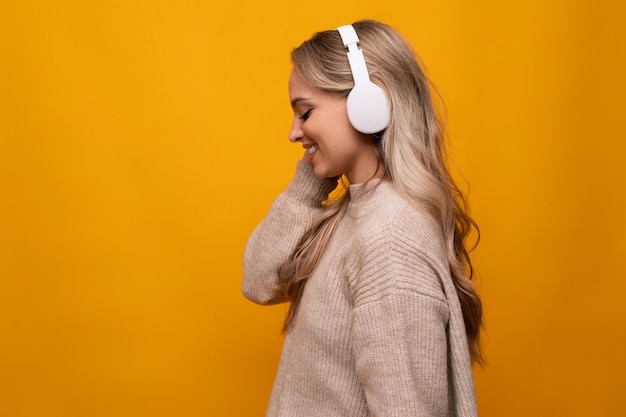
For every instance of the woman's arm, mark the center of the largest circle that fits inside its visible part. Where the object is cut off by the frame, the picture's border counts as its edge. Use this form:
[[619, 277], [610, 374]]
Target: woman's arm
[[401, 355], [410, 356], [275, 238]]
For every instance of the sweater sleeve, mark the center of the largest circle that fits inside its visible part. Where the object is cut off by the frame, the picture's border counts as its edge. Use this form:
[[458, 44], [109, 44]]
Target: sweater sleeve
[[276, 237], [400, 330], [401, 354]]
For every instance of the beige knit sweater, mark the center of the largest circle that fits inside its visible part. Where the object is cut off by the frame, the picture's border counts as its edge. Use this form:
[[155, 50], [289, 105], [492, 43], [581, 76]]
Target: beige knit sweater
[[379, 331]]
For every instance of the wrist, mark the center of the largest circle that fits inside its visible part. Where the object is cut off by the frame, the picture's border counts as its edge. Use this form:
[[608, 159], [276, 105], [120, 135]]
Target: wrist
[[305, 187]]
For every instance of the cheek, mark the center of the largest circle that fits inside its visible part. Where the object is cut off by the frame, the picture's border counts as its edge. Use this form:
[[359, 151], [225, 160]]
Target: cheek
[[331, 129], [313, 127]]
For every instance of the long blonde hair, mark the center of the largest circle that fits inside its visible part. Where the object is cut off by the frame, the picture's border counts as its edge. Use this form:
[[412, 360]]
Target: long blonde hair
[[412, 152]]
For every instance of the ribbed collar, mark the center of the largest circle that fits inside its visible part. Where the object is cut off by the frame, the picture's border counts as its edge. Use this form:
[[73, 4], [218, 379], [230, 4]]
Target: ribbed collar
[[364, 195]]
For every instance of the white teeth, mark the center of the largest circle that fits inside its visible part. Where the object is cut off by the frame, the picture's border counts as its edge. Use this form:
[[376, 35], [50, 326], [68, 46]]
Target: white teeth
[[312, 149]]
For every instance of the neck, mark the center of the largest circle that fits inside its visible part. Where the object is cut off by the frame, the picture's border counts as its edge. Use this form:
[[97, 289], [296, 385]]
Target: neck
[[371, 167]]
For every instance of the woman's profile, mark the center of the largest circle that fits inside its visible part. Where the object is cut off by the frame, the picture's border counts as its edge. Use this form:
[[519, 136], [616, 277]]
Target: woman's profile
[[384, 319]]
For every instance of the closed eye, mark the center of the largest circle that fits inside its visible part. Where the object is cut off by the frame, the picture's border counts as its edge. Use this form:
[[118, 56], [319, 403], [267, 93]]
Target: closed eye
[[306, 115]]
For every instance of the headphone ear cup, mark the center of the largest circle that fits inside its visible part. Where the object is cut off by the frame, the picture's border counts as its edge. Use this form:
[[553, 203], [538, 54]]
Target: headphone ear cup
[[367, 105], [368, 109]]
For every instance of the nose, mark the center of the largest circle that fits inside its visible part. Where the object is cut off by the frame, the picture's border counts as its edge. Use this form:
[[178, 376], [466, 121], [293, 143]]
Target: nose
[[296, 133]]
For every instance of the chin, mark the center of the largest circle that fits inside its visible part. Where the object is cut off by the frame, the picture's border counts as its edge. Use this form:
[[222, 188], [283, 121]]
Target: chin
[[323, 174], [319, 173]]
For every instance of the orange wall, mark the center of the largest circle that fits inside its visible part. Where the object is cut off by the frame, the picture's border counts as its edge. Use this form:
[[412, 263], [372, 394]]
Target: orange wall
[[141, 142]]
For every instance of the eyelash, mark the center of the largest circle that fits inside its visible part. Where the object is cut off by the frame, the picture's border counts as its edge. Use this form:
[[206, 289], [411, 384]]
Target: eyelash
[[306, 115]]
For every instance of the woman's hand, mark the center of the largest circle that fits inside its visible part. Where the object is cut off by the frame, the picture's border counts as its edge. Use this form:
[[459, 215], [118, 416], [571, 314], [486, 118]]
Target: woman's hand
[[306, 157]]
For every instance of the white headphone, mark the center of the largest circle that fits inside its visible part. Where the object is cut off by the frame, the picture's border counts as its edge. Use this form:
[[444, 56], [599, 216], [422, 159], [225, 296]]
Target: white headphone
[[368, 109]]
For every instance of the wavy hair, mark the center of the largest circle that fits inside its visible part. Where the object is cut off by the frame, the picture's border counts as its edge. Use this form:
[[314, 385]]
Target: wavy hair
[[412, 152]]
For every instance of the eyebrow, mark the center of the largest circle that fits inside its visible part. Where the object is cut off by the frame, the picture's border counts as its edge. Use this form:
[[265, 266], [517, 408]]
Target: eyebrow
[[297, 100]]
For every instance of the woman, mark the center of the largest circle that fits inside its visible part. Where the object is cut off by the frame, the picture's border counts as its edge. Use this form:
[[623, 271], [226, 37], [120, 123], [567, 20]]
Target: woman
[[384, 320]]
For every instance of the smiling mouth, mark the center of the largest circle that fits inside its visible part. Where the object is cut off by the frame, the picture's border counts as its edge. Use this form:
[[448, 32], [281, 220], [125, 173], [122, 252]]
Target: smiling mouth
[[312, 149]]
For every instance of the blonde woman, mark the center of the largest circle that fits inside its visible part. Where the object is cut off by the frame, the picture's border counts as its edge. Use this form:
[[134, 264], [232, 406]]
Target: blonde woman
[[384, 319]]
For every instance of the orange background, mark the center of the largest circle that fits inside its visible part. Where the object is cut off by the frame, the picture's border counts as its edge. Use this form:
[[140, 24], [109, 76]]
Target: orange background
[[141, 142]]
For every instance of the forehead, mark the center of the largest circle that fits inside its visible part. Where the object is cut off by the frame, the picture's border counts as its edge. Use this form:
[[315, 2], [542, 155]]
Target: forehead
[[300, 88]]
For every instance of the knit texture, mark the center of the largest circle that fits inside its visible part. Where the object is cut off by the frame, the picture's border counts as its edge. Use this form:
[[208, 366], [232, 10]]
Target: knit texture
[[379, 331]]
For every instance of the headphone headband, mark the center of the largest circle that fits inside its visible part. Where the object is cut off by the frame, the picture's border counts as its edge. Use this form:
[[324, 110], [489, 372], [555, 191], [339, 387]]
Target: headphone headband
[[348, 35], [368, 109]]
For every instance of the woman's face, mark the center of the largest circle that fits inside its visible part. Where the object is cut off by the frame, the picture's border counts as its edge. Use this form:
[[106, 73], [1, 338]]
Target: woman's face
[[332, 145]]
